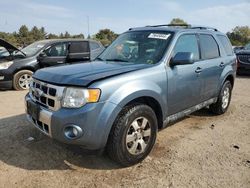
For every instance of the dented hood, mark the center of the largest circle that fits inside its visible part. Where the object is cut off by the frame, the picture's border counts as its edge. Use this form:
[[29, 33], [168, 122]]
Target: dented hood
[[83, 74]]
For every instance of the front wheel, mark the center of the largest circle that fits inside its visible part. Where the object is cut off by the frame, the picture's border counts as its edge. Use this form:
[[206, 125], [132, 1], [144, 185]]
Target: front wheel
[[133, 135], [224, 99], [22, 79]]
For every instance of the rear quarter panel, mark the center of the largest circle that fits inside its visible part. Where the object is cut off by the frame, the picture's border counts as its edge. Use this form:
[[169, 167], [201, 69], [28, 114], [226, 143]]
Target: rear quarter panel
[[230, 63]]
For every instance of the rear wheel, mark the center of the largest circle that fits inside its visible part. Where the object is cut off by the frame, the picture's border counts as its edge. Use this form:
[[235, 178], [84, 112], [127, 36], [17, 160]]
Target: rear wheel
[[224, 98], [133, 135], [22, 80]]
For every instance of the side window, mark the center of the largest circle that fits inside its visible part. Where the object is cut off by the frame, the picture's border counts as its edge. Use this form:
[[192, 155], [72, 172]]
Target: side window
[[226, 44], [79, 47], [94, 46], [56, 50], [209, 47], [187, 43]]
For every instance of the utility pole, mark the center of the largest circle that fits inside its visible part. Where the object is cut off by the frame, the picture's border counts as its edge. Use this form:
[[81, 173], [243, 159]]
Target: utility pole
[[88, 27]]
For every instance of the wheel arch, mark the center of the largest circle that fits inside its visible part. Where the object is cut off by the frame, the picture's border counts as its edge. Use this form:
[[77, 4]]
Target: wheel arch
[[152, 103], [24, 68], [229, 78]]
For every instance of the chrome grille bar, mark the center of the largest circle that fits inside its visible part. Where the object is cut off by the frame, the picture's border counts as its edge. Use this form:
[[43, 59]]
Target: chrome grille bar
[[244, 58], [48, 95]]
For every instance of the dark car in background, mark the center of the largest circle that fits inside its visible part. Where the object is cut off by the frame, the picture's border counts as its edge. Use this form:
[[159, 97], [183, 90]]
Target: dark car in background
[[236, 49], [17, 66], [243, 60]]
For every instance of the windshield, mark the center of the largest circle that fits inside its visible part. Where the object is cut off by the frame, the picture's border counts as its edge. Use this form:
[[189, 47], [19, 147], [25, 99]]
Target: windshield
[[33, 48], [4, 53], [247, 47], [145, 47]]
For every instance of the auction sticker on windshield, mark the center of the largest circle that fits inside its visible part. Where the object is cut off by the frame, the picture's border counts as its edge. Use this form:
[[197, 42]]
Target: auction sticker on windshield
[[158, 36]]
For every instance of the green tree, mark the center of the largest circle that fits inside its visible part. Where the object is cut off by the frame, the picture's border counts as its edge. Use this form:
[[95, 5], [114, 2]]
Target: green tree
[[24, 38], [23, 31], [105, 36], [43, 33], [80, 36], [66, 35], [239, 36], [36, 34], [52, 36], [177, 21], [61, 36]]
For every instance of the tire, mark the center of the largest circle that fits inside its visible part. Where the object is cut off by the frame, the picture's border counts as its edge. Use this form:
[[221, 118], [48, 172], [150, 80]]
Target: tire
[[224, 99], [21, 80], [133, 135]]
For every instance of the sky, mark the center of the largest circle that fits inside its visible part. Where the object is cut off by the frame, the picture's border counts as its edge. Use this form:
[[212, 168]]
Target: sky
[[60, 15]]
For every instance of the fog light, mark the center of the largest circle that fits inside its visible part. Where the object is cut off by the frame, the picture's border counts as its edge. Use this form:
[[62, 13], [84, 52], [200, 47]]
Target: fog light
[[73, 132]]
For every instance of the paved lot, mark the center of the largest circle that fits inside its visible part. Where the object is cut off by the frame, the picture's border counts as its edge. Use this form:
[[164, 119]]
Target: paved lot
[[202, 150]]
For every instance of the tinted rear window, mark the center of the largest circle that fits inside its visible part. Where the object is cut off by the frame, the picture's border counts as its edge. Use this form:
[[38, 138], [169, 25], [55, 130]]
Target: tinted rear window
[[209, 47], [226, 44], [79, 47]]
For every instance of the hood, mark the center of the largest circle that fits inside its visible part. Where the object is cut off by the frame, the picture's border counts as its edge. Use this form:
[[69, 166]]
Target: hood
[[83, 74], [243, 52], [9, 47]]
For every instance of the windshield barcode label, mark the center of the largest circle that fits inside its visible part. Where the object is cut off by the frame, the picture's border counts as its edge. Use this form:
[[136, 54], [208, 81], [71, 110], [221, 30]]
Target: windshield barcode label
[[158, 36]]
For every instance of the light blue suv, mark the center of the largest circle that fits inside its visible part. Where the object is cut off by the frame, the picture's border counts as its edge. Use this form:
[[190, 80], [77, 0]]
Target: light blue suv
[[148, 77]]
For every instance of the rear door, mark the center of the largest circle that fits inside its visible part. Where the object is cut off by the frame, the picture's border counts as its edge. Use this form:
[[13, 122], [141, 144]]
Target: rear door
[[78, 51], [184, 84], [211, 64], [53, 55]]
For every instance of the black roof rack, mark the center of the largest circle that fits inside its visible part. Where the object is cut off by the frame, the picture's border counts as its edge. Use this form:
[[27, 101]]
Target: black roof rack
[[187, 26], [204, 27], [170, 25]]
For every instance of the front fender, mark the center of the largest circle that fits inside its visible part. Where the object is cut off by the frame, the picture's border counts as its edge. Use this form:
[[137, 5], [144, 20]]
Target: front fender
[[136, 89], [125, 94]]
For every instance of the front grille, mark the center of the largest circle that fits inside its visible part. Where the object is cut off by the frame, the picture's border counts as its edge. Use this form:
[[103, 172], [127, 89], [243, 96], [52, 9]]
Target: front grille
[[244, 58], [48, 95], [42, 126]]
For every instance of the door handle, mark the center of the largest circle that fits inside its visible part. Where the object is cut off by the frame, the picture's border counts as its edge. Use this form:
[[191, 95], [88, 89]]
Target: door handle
[[198, 70], [222, 64]]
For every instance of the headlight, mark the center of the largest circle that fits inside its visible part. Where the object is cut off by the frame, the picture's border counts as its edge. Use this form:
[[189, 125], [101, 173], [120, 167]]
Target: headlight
[[6, 65], [76, 98]]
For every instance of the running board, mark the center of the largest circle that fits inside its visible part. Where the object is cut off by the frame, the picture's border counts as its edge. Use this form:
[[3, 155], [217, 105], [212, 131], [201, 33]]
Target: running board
[[188, 111]]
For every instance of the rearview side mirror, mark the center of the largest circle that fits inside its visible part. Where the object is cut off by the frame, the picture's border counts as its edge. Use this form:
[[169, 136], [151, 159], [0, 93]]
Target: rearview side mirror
[[182, 58], [42, 55]]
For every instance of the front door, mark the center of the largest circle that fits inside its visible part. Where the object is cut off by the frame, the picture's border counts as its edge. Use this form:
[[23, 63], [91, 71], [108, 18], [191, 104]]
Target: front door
[[54, 55], [184, 84]]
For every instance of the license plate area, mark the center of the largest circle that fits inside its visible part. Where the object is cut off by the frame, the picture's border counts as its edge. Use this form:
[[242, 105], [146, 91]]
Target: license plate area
[[33, 110]]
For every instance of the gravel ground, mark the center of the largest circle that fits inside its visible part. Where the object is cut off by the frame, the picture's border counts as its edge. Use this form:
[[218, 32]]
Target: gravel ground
[[201, 150]]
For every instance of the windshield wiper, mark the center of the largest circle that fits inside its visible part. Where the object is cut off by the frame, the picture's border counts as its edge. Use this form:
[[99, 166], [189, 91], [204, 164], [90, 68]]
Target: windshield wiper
[[121, 60], [16, 51], [100, 59]]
